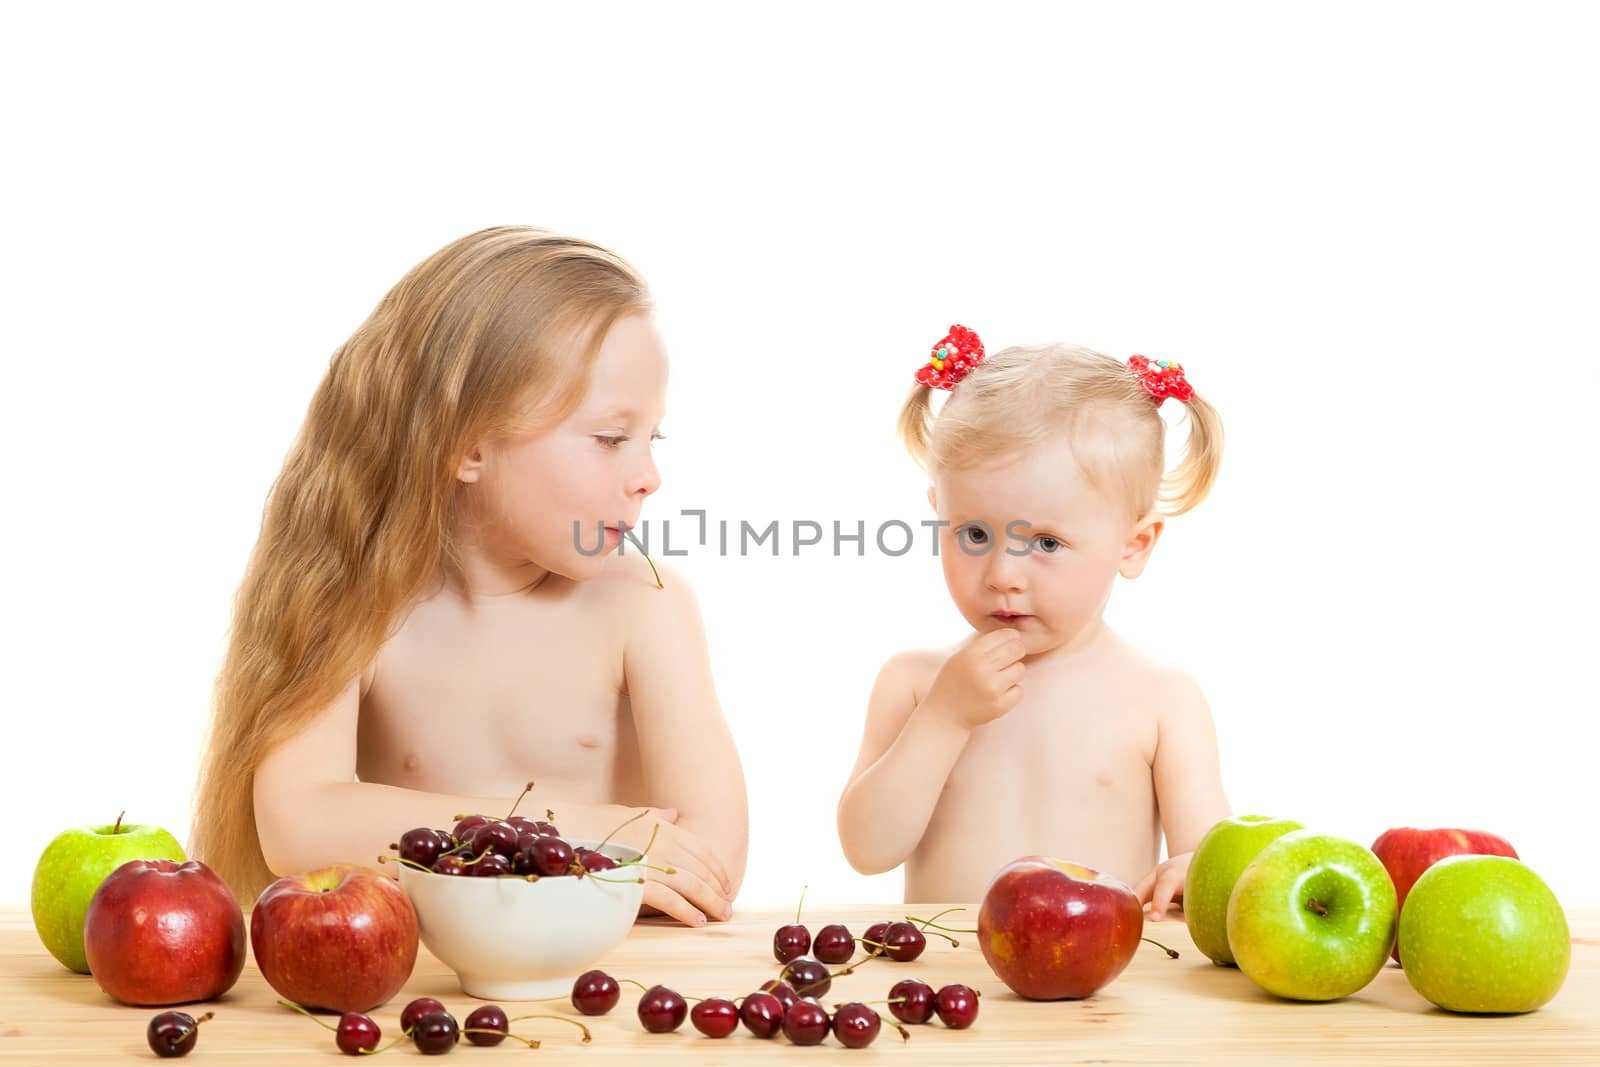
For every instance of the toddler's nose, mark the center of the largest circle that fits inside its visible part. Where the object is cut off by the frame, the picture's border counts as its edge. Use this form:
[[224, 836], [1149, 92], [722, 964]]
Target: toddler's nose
[[1003, 573]]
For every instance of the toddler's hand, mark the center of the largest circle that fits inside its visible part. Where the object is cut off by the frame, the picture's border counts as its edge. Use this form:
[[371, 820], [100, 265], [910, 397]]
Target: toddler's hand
[[1163, 885], [981, 681], [698, 888]]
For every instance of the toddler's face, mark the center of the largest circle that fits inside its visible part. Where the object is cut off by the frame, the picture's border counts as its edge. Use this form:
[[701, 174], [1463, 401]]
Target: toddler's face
[[594, 468], [1032, 545]]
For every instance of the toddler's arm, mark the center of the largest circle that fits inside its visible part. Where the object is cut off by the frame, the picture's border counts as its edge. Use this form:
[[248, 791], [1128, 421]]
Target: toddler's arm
[[1188, 783], [687, 753], [908, 749], [311, 811]]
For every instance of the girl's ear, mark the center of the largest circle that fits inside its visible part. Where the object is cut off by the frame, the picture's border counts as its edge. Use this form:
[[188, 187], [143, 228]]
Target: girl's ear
[[471, 466], [933, 500], [1136, 551]]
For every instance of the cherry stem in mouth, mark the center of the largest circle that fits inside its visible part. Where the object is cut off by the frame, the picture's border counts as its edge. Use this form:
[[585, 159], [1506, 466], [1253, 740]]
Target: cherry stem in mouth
[[587, 1036], [320, 1022], [1314, 905], [1171, 952], [525, 791], [625, 532]]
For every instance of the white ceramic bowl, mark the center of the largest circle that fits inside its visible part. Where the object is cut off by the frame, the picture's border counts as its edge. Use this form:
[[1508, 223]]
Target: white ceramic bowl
[[511, 939]]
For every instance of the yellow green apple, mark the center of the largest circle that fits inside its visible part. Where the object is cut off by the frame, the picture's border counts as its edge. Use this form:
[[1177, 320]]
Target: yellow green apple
[[1218, 860], [1484, 934], [1312, 917], [72, 867]]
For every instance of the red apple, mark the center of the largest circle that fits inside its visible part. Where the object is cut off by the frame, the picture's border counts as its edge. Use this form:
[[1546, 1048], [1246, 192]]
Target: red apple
[[1406, 853], [163, 932], [341, 938], [1051, 929]]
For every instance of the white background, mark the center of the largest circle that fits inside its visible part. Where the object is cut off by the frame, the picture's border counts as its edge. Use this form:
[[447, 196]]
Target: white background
[[1368, 231]]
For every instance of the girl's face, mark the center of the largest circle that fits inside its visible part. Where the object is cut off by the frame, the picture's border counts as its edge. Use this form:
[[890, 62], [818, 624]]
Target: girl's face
[[594, 470], [1032, 545]]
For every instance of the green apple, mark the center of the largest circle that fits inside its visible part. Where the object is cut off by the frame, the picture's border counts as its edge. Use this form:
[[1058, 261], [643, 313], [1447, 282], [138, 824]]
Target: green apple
[[72, 868], [1312, 917], [1484, 934], [1218, 860]]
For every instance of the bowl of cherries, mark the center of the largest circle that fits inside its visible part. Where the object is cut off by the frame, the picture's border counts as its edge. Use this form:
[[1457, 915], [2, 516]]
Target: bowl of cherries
[[514, 908]]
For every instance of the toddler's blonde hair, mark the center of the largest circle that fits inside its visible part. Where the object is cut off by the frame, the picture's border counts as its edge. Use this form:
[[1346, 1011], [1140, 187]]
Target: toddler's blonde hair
[[1024, 395]]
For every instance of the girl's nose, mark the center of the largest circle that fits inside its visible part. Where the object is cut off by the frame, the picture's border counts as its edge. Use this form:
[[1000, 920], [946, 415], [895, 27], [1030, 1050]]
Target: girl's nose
[[646, 479], [1003, 573]]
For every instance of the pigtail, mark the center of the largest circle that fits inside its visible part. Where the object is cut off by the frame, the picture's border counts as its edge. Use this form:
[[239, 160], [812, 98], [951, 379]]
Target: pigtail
[[1191, 480], [915, 427]]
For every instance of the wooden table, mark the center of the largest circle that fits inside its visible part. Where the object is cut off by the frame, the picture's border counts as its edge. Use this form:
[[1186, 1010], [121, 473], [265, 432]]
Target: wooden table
[[1159, 1011]]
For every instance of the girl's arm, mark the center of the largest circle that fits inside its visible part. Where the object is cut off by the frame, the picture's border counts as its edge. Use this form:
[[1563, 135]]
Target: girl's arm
[[311, 811], [907, 752], [687, 753], [909, 749], [1188, 783]]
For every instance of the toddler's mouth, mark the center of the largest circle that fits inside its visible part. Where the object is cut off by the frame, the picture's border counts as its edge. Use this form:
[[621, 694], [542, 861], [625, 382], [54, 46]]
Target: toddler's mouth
[[1008, 617]]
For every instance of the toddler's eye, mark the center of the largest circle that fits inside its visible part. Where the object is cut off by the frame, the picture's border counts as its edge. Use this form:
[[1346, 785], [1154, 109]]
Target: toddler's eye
[[1047, 544], [976, 536], [609, 442]]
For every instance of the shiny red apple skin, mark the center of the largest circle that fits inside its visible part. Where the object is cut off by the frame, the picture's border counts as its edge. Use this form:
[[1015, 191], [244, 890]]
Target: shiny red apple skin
[[160, 932], [341, 938], [1406, 852], [1051, 929]]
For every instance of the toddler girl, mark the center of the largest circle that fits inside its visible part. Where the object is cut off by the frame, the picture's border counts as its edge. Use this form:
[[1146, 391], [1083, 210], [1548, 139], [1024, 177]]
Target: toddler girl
[[1041, 731]]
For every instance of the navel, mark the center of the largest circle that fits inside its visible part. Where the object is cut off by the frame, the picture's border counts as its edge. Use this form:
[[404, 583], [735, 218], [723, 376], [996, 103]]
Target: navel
[[588, 741], [411, 762]]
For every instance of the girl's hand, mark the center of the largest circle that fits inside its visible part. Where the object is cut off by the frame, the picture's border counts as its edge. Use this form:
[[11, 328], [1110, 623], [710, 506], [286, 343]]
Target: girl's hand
[[1163, 885], [981, 681], [698, 889]]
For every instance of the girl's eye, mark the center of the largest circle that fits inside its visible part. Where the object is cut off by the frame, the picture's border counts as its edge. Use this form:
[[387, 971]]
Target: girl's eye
[[1047, 544], [973, 535]]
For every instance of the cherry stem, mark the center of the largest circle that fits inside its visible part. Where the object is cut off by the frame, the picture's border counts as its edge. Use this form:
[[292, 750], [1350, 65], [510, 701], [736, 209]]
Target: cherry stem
[[490, 1030], [406, 1036], [646, 851], [117, 826], [203, 1018], [632, 981], [587, 1036], [642, 813], [647, 866], [628, 533], [784, 974], [927, 923], [1172, 953], [320, 1022], [1312, 905], [402, 859], [802, 903], [525, 791], [549, 815], [615, 881], [878, 947]]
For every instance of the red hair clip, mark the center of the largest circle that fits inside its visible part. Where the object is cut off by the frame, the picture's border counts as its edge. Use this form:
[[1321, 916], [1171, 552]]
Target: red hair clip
[[1161, 379], [956, 354]]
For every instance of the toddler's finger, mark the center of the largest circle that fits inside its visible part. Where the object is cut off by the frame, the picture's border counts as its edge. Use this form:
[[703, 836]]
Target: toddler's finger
[[1161, 897]]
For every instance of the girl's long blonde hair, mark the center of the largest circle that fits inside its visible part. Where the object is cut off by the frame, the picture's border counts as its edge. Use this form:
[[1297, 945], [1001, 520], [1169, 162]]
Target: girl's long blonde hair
[[1023, 395], [493, 334]]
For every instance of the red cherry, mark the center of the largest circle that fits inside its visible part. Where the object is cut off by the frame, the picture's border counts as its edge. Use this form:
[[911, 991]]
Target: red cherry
[[762, 1014], [715, 1016], [806, 1023], [957, 1006]]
